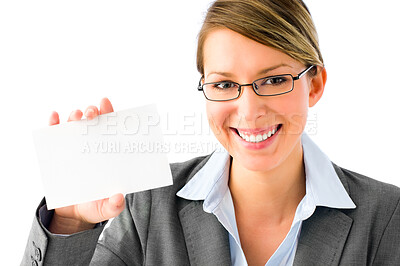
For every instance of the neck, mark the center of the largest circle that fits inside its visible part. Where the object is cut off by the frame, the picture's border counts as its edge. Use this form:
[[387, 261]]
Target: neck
[[271, 196]]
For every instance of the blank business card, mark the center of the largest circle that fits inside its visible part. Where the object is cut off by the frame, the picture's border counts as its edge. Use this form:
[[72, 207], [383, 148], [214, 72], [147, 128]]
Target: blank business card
[[119, 152]]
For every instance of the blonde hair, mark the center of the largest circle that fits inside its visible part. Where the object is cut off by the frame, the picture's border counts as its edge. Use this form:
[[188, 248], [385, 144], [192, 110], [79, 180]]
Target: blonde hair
[[285, 25]]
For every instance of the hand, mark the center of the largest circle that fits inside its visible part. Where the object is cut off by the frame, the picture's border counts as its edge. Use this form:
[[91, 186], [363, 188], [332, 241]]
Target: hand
[[76, 218]]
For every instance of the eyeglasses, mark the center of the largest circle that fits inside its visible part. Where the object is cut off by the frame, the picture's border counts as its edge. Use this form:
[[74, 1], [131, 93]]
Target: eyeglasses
[[268, 86]]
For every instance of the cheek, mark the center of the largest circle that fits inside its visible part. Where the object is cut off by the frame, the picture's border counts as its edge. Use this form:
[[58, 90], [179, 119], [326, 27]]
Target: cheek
[[218, 115], [295, 110]]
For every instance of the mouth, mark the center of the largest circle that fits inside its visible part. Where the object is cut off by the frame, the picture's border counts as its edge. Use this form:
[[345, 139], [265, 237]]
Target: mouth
[[259, 135]]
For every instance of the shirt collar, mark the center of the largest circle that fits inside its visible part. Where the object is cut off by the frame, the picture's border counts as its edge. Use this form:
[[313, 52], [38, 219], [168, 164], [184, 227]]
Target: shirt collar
[[323, 184], [210, 182]]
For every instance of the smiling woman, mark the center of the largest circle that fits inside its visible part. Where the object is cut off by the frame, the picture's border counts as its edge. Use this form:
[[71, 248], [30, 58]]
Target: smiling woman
[[241, 59], [270, 196]]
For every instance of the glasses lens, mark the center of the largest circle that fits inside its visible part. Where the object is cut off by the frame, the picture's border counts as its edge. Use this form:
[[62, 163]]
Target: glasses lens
[[221, 91], [274, 85]]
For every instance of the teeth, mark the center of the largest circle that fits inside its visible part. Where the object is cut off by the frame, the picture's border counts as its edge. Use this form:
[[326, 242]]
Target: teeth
[[257, 138]]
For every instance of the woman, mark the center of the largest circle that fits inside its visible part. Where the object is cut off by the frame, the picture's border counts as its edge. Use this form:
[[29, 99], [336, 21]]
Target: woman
[[271, 198]]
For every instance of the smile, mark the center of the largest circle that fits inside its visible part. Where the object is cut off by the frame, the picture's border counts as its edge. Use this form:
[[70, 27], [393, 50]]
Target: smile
[[256, 137]]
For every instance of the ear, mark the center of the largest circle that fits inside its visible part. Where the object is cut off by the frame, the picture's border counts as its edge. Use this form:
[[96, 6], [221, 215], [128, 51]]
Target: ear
[[317, 86]]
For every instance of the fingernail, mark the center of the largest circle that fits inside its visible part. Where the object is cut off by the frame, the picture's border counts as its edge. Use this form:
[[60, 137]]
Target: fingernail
[[89, 112]]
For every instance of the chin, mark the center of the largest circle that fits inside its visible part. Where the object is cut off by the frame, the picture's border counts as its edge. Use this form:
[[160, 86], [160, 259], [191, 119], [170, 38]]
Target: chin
[[256, 163]]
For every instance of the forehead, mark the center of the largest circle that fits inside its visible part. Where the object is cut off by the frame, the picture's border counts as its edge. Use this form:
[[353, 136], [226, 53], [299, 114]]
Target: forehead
[[231, 52]]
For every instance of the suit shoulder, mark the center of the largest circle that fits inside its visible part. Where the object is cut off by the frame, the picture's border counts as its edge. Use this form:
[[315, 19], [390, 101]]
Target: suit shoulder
[[182, 172], [369, 192]]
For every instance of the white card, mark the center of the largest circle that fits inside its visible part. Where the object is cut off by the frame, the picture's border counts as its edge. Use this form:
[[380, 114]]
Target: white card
[[119, 152]]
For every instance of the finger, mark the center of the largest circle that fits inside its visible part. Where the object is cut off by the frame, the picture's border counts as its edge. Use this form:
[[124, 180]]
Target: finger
[[106, 106], [75, 115], [91, 112], [113, 206], [54, 118]]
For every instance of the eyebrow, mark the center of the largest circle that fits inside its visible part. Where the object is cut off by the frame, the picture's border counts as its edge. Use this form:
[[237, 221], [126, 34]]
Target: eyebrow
[[263, 71]]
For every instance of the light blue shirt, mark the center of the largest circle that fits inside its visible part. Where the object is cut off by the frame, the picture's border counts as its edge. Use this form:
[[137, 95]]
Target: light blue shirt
[[323, 188]]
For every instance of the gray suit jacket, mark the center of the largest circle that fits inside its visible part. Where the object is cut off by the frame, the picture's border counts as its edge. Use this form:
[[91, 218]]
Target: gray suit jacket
[[159, 228]]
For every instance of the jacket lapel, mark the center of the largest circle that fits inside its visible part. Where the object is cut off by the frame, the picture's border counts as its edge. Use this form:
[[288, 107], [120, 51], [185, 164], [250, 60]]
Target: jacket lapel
[[322, 237], [207, 241]]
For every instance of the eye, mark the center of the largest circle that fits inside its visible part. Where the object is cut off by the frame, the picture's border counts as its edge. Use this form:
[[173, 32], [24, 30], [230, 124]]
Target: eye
[[274, 81], [224, 85]]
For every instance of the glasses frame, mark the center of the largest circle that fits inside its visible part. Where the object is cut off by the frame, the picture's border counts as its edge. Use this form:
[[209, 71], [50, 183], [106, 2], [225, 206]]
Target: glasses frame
[[253, 84]]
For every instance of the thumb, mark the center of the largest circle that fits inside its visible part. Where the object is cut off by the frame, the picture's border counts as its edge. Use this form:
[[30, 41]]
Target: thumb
[[113, 206]]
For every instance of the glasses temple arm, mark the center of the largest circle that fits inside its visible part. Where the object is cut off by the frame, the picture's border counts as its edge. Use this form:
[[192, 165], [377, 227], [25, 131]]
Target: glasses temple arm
[[199, 87], [303, 72]]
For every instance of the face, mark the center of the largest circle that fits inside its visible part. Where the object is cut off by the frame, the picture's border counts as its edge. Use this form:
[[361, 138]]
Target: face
[[243, 125]]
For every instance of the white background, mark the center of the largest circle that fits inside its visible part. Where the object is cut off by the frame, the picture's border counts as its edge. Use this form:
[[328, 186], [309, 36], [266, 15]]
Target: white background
[[68, 55]]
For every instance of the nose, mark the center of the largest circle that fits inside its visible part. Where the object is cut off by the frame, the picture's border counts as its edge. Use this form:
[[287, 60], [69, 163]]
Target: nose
[[250, 105]]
